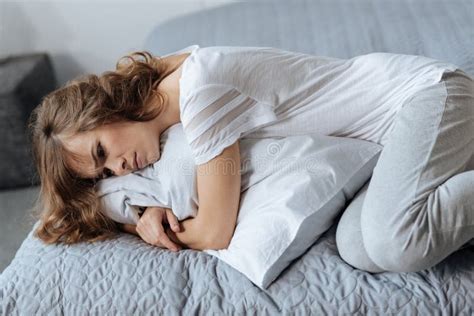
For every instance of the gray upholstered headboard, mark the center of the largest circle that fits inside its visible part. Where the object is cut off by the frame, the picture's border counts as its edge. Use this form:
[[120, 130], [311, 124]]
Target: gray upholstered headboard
[[440, 29]]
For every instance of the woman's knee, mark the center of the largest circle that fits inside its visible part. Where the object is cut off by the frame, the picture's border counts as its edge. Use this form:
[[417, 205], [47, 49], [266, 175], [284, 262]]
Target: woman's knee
[[348, 236], [393, 258], [417, 238], [395, 253]]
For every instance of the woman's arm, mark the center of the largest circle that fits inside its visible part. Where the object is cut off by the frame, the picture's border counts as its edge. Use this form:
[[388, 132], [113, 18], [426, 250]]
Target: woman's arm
[[218, 186], [191, 237], [128, 228]]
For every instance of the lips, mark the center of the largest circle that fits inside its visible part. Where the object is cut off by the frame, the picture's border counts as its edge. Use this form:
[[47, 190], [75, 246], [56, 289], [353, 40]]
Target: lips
[[135, 162], [140, 163]]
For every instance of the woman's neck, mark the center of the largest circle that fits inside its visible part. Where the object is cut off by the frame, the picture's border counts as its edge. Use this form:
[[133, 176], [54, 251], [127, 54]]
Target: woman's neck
[[170, 87]]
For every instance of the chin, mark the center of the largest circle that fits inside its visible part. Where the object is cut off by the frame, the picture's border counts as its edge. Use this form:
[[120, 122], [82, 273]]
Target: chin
[[154, 160]]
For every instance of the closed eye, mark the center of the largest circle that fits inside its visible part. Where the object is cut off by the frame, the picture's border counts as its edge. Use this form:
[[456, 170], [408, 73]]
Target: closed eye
[[101, 154]]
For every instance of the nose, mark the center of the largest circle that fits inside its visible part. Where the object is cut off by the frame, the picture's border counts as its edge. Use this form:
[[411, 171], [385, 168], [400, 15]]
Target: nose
[[120, 168]]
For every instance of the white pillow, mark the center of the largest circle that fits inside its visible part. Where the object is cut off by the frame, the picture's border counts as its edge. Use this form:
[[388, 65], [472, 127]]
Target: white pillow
[[169, 182], [293, 188]]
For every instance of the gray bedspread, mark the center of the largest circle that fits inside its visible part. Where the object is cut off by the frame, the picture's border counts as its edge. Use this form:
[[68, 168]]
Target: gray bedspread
[[126, 276]]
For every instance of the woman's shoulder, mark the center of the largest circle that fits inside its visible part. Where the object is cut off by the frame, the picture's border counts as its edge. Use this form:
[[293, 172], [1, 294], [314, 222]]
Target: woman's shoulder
[[226, 65]]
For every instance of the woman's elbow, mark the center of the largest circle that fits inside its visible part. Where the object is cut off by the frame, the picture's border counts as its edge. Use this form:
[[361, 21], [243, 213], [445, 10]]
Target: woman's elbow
[[219, 241], [217, 245]]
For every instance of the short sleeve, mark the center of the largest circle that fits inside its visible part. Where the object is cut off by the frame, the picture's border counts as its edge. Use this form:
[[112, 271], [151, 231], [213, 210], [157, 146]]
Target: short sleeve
[[214, 116]]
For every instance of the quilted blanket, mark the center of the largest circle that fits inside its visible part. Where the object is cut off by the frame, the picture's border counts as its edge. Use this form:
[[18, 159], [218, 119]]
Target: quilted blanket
[[127, 276]]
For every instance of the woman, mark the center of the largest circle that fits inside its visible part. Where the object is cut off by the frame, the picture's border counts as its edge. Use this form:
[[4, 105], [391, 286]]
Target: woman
[[419, 204]]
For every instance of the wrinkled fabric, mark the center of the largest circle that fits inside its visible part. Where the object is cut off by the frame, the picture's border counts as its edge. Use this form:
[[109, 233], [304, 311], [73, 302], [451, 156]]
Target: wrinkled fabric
[[292, 189]]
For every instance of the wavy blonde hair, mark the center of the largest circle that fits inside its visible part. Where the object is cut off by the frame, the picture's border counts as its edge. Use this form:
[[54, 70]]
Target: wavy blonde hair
[[68, 206]]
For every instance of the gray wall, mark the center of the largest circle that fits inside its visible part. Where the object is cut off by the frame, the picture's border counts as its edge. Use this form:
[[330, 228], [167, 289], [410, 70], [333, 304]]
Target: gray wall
[[85, 36]]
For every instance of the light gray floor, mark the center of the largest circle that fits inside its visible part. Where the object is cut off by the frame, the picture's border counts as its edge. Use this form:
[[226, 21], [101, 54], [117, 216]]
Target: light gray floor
[[15, 221]]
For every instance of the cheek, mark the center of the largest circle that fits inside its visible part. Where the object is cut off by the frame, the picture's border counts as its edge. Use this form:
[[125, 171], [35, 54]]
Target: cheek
[[142, 138], [119, 141]]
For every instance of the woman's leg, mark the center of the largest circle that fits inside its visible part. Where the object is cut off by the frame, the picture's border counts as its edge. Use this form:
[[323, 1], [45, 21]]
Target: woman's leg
[[419, 205], [349, 236]]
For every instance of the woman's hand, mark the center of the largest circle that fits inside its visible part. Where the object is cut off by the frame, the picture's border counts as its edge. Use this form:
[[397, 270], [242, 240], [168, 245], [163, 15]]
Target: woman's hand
[[150, 227]]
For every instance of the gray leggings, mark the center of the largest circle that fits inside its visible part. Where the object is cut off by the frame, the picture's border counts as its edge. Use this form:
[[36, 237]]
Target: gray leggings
[[418, 207]]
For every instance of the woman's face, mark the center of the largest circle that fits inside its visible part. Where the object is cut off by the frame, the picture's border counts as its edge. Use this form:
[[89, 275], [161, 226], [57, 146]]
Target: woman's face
[[115, 147]]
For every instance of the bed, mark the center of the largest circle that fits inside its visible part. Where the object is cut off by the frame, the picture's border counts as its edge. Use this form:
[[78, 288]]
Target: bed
[[126, 276]]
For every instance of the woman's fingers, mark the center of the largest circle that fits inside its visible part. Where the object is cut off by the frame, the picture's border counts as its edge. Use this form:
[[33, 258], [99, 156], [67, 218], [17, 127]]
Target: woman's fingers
[[150, 228], [157, 237], [166, 241], [172, 220]]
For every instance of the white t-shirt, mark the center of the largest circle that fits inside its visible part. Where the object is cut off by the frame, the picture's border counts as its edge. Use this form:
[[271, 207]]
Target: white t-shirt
[[231, 92]]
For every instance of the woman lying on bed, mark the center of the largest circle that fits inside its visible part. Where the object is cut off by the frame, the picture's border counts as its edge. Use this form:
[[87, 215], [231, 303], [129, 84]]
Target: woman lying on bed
[[419, 205], [115, 122]]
